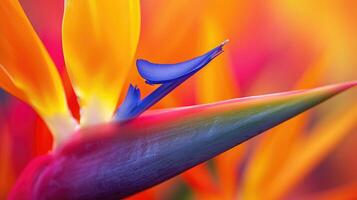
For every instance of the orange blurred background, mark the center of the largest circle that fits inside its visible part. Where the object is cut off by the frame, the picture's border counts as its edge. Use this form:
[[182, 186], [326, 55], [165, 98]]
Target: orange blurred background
[[274, 46]]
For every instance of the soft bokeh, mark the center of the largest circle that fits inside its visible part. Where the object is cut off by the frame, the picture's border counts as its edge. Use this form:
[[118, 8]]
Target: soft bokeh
[[274, 46]]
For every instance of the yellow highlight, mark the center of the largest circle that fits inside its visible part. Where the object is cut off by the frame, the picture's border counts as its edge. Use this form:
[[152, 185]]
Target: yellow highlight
[[99, 43], [215, 82]]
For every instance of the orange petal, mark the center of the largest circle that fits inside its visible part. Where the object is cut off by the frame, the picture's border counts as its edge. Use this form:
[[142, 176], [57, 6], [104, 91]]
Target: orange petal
[[99, 42], [6, 170], [160, 191], [27, 71], [200, 180]]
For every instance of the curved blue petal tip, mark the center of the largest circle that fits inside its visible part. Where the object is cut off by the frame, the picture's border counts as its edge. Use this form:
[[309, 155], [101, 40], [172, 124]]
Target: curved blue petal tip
[[168, 75], [163, 73]]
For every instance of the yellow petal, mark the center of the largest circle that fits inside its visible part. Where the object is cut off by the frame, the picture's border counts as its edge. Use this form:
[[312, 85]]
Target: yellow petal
[[99, 43], [215, 82], [27, 71]]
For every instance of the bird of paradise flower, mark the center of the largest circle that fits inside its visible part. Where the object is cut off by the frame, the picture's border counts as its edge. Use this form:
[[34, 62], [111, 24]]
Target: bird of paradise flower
[[98, 102]]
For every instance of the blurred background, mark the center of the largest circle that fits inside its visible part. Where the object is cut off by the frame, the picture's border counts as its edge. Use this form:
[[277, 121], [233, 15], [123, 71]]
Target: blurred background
[[275, 46]]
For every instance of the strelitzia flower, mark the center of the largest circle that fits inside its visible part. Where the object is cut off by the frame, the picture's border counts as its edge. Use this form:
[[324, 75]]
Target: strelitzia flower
[[112, 153]]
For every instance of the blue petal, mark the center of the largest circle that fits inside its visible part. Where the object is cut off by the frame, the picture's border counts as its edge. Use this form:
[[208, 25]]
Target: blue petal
[[131, 100], [168, 75], [163, 73]]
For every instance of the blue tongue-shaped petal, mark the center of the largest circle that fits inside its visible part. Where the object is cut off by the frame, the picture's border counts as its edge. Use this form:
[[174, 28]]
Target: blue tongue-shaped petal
[[164, 73], [169, 75]]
